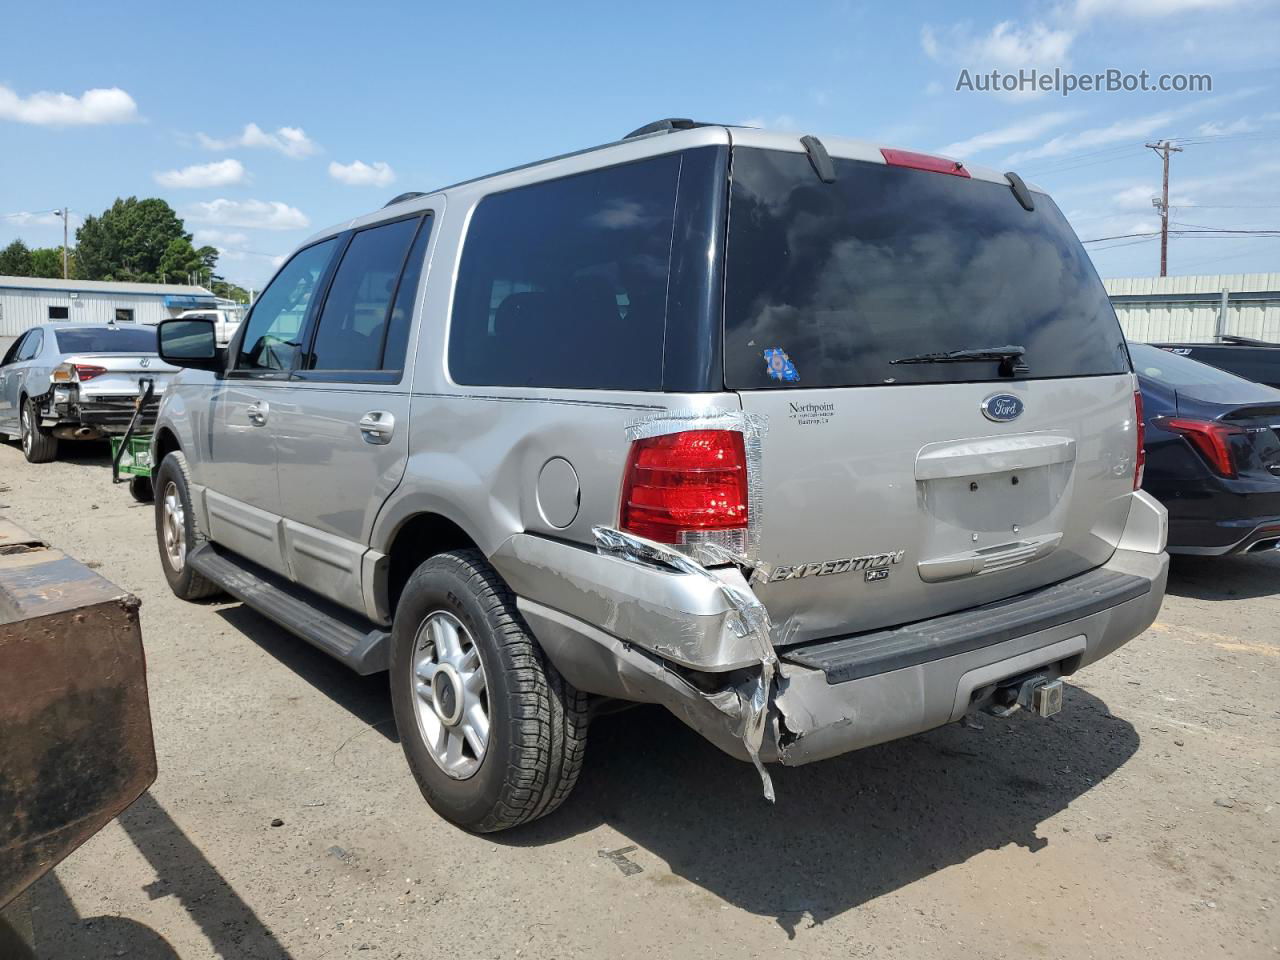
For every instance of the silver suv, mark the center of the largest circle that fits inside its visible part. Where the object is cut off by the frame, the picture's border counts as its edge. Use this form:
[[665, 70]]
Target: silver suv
[[816, 444]]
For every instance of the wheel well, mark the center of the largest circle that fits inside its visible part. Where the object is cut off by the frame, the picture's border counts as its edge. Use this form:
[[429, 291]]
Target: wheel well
[[419, 539], [165, 444]]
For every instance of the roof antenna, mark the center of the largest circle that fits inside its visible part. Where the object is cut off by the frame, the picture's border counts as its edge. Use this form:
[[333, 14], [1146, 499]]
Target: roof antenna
[[821, 160]]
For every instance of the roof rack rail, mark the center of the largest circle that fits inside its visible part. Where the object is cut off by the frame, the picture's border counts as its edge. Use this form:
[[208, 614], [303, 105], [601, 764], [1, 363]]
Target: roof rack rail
[[401, 198], [665, 126]]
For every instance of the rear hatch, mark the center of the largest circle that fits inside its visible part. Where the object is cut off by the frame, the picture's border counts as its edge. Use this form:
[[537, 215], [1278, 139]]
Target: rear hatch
[[898, 491], [111, 361]]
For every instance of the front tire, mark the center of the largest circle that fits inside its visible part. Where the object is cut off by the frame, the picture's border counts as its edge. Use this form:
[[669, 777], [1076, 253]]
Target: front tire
[[494, 735], [176, 530], [38, 446]]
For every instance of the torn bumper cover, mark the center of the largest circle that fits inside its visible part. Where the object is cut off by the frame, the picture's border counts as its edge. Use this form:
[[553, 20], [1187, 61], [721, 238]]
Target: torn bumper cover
[[656, 602]]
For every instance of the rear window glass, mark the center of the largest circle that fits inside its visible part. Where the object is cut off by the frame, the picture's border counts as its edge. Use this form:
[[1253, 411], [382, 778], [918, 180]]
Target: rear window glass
[[564, 283], [1175, 371], [107, 340], [826, 284]]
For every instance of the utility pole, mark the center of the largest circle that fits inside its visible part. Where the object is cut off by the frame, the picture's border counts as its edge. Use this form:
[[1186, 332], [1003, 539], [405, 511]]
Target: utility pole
[[1164, 148], [64, 213]]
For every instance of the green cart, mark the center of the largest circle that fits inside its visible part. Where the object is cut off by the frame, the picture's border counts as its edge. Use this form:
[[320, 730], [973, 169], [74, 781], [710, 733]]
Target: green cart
[[131, 451]]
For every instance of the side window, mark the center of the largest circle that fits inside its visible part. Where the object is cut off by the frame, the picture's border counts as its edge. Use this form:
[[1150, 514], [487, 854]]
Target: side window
[[31, 345], [59, 313], [354, 321], [272, 337], [564, 283], [11, 355], [406, 295]]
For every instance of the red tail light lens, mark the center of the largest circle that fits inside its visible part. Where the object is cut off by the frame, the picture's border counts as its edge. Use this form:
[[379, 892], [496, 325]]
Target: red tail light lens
[[1140, 459], [72, 372], [923, 161], [86, 371], [683, 486], [1211, 438]]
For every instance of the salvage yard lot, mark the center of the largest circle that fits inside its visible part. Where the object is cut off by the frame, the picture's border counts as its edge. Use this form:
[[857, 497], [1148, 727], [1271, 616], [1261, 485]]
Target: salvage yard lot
[[1144, 819]]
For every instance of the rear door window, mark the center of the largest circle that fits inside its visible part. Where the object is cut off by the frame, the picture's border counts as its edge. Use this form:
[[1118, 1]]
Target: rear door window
[[31, 345], [356, 319], [826, 284], [564, 283]]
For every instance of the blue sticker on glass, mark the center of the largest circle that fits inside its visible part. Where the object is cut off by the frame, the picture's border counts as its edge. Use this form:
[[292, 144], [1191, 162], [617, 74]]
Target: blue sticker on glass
[[780, 366]]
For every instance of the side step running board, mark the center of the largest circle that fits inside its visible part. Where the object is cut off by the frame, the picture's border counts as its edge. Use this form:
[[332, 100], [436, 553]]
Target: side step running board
[[339, 632]]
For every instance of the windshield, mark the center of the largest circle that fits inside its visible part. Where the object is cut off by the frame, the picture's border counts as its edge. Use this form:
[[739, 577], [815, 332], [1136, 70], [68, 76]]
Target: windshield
[[1175, 371], [827, 284], [107, 340]]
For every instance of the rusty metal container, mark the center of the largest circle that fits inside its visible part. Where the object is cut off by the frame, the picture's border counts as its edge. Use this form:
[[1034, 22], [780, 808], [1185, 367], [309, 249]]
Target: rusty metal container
[[75, 724]]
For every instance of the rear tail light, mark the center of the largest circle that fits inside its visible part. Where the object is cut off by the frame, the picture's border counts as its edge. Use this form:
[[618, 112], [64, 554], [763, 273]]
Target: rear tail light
[[1211, 438], [1140, 458], [687, 487], [923, 161], [76, 372]]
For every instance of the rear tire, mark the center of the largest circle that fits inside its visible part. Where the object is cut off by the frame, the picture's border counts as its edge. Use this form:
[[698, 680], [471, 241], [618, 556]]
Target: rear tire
[[176, 534], [457, 620], [38, 446]]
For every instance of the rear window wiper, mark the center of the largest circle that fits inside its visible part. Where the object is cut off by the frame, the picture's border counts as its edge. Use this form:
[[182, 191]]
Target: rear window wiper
[[1009, 356]]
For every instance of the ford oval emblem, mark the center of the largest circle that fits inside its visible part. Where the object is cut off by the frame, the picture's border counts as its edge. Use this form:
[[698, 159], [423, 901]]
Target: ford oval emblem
[[1002, 407]]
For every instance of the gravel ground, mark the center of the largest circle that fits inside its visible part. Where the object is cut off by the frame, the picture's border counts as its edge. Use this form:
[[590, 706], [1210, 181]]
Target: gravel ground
[[1142, 820]]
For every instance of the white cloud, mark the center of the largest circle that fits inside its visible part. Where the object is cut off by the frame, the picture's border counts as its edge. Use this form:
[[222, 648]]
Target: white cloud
[[220, 173], [224, 241], [1088, 9], [1005, 46], [256, 214], [1126, 131], [98, 106], [1019, 132], [1135, 198], [360, 174], [1122, 131], [291, 141], [782, 122], [25, 218], [1214, 129]]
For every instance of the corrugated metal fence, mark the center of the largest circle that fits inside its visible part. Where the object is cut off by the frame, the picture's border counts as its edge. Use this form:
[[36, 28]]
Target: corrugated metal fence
[[1198, 308]]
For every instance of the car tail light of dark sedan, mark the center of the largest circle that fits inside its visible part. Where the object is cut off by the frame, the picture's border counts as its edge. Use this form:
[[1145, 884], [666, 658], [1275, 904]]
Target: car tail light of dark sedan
[[1211, 438]]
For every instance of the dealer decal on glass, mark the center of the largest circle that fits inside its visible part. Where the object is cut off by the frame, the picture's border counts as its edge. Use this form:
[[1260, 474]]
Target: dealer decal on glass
[[779, 366]]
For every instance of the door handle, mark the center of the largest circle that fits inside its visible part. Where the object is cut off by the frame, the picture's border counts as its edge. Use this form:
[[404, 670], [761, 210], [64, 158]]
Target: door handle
[[257, 412], [377, 426]]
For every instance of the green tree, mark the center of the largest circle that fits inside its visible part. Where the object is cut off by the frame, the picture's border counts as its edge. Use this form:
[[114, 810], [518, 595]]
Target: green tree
[[221, 287], [179, 261], [47, 262], [134, 240], [15, 260]]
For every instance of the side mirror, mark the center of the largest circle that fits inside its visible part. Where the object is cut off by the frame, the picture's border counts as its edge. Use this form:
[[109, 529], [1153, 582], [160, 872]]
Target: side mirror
[[190, 343]]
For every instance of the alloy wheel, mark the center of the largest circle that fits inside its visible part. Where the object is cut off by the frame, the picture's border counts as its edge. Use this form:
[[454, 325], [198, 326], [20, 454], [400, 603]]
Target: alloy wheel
[[450, 696]]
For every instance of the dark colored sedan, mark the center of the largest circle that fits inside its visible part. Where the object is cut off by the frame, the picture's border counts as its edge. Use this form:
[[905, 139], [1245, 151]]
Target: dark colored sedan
[[1257, 360], [1213, 453]]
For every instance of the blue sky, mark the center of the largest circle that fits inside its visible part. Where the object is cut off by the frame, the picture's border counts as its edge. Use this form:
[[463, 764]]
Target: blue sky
[[261, 123]]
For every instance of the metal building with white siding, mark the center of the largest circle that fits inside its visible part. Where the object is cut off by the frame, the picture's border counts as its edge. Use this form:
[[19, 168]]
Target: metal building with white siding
[[27, 301], [1198, 308]]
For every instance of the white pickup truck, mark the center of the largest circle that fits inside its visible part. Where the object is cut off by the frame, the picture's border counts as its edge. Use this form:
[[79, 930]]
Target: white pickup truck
[[225, 322]]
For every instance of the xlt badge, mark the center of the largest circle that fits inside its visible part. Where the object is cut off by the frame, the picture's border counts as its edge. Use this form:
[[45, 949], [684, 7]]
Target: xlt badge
[[877, 562]]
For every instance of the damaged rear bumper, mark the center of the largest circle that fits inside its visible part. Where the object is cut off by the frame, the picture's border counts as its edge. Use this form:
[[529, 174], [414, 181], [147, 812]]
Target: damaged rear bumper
[[671, 638]]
